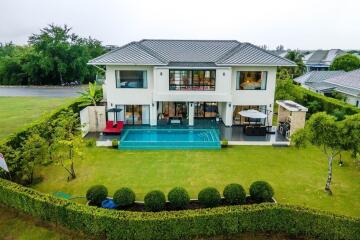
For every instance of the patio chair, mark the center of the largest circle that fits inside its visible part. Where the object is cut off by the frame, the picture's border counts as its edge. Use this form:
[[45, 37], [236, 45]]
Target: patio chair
[[112, 128]]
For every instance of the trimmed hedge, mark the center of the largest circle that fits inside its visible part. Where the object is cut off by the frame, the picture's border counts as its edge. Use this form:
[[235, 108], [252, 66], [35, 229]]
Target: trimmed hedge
[[179, 224], [209, 197], [261, 191], [124, 197], [179, 198], [234, 194], [185, 224], [9, 145], [96, 194], [155, 201], [326, 104]]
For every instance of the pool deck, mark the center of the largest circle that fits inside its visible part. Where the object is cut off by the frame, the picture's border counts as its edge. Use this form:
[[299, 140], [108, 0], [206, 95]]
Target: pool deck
[[234, 134]]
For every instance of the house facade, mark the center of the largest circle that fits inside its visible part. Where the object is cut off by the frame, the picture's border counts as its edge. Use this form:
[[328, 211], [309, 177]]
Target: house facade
[[320, 60], [154, 80]]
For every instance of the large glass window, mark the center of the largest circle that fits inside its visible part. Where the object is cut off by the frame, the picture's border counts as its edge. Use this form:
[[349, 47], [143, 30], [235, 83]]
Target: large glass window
[[131, 79], [192, 80], [251, 80]]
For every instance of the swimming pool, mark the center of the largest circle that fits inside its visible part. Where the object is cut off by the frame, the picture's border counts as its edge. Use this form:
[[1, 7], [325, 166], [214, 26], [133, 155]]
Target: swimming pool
[[170, 139]]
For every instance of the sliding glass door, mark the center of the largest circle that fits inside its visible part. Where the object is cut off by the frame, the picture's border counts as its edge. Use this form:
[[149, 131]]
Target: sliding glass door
[[205, 109], [134, 114]]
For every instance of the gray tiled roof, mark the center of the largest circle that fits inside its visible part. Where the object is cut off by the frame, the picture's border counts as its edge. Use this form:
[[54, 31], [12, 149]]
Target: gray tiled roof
[[248, 54], [322, 57], [129, 54], [203, 52], [349, 80], [317, 76]]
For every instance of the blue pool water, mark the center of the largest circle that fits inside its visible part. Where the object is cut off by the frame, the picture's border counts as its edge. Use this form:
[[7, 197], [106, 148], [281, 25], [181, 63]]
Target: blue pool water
[[170, 139]]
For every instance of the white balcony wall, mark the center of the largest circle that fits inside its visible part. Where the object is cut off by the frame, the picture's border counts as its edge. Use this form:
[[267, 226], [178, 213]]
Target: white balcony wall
[[255, 97], [128, 96]]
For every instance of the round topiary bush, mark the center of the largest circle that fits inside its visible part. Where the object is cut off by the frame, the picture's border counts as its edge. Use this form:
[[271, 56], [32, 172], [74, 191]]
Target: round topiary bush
[[96, 194], [155, 201], [179, 198], [209, 197], [261, 191], [124, 197], [234, 194]]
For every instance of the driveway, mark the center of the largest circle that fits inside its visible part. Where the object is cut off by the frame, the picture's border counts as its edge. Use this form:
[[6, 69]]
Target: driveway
[[55, 92]]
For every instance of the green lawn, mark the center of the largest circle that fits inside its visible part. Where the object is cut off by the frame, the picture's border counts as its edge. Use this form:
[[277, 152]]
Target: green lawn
[[17, 226], [15, 112], [298, 176]]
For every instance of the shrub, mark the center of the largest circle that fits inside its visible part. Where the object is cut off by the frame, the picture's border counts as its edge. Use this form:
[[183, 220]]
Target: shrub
[[115, 143], [124, 197], [155, 201], [96, 194], [234, 194], [229, 220], [209, 197], [261, 191], [179, 198]]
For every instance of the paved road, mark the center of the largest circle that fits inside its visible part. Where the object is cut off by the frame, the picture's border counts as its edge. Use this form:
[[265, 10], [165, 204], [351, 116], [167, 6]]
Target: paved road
[[55, 92]]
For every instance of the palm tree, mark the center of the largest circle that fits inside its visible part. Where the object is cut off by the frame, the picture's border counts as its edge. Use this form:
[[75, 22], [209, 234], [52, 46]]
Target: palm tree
[[91, 96]]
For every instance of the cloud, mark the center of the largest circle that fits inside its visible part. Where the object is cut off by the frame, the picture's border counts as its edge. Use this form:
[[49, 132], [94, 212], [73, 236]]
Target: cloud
[[305, 24]]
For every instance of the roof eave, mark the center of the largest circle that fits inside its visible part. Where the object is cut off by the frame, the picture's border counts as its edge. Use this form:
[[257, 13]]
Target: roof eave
[[126, 64], [256, 65]]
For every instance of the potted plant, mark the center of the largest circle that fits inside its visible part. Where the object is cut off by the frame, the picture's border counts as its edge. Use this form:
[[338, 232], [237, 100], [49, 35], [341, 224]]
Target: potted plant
[[224, 143]]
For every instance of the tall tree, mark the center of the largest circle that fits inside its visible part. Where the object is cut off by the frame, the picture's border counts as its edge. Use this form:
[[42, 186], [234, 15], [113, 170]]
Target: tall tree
[[296, 57], [323, 131], [347, 62], [351, 135], [34, 152]]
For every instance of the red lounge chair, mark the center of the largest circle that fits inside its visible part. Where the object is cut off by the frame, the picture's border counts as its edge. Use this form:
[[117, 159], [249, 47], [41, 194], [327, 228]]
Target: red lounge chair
[[113, 129]]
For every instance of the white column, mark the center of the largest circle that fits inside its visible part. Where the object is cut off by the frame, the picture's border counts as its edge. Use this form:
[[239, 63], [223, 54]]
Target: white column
[[270, 113], [229, 114], [153, 114], [191, 114]]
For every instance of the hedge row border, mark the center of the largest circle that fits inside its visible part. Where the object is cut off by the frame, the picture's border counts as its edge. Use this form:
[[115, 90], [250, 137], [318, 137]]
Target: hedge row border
[[185, 224], [328, 104]]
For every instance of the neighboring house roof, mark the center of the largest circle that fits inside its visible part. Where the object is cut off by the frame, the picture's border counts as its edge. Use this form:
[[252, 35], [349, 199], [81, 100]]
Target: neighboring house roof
[[322, 57], [187, 52], [348, 82], [317, 76]]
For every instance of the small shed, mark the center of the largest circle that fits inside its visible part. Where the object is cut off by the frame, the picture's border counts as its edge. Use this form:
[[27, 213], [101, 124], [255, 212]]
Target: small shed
[[291, 117]]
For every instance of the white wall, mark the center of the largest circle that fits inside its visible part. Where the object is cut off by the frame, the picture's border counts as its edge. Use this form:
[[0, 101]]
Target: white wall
[[255, 97], [352, 100], [129, 96], [158, 90]]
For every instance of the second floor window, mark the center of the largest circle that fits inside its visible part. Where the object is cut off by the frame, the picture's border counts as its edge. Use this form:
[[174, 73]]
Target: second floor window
[[251, 80], [131, 79], [192, 80]]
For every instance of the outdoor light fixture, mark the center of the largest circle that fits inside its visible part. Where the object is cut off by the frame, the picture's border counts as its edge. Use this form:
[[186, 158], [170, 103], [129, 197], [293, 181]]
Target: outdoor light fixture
[[160, 73], [153, 104], [223, 73], [229, 104]]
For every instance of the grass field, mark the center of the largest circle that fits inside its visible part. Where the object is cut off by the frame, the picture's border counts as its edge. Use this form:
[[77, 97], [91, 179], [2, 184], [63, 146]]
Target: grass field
[[18, 226], [16, 112], [298, 176]]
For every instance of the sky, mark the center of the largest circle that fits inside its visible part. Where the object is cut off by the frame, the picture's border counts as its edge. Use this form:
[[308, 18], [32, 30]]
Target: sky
[[295, 24]]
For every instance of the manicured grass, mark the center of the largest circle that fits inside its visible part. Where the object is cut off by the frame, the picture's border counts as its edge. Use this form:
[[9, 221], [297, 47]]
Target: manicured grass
[[298, 176], [16, 226], [16, 112]]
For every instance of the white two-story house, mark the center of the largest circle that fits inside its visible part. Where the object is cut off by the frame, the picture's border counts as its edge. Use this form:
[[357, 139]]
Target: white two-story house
[[154, 80]]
